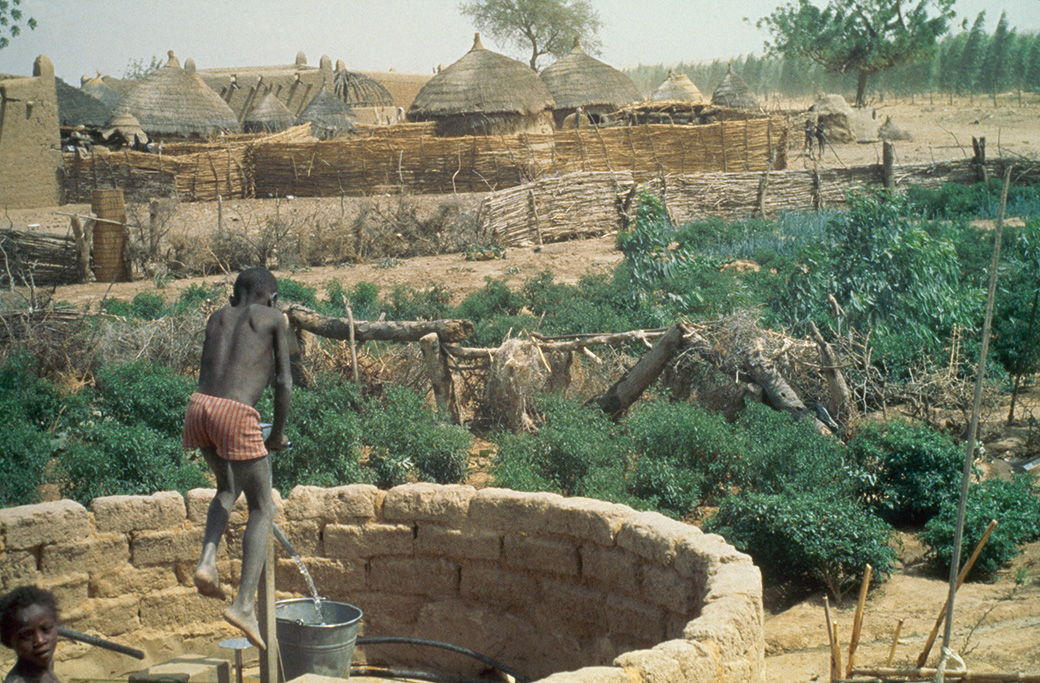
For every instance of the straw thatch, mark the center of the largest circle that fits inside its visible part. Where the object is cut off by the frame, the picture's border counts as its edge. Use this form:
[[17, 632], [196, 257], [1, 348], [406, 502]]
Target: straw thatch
[[243, 88], [172, 101], [123, 126], [484, 93], [359, 90], [270, 116], [97, 88], [578, 80], [77, 108], [677, 87], [123, 86], [328, 115], [732, 91]]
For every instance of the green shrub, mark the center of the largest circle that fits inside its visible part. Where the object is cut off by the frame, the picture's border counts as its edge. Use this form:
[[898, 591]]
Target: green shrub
[[145, 306], [364, 301], [290, 290], [911, 470], [408, 441], [810, 538], [1015, 506], [193, 296], [144, 392], [432, 303], [110, 458], [493, 299], [26, 451]]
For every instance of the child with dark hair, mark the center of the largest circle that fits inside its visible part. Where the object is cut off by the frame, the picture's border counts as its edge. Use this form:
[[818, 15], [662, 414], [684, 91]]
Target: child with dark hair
[[245, 348], [29, 626]]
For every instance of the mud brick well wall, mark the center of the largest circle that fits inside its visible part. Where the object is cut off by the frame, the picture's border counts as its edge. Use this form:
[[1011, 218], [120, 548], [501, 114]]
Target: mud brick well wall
[[571, 589]]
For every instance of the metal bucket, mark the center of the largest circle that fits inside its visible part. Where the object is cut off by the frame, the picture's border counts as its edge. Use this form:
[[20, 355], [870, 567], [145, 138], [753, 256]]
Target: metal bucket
[[309, 647]]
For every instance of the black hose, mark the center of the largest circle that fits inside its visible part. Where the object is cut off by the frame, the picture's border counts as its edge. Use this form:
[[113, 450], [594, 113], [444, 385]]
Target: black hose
[[414, 675], [99, 642], [398, 640]]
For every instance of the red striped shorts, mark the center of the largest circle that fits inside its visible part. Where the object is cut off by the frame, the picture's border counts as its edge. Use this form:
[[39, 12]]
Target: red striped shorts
[[229, 427]]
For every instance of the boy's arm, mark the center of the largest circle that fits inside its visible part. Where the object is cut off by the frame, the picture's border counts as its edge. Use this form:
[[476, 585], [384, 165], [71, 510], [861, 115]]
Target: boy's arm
[[282, 384]]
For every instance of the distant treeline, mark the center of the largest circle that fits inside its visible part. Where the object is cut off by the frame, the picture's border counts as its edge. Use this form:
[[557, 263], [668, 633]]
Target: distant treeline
[[968, 63]]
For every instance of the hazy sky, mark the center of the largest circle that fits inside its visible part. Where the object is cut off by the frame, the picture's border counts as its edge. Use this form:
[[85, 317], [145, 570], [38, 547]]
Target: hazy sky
[[84, 36]]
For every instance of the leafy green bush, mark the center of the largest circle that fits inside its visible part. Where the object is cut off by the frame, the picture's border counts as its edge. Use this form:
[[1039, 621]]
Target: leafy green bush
[[408, 441], [109, 458], [297, 292], [911, 469], [1015, 506], [144, 392], [432, 303], [809, 537], [26, 451], [193, 296], [145, 306], [575, 450]]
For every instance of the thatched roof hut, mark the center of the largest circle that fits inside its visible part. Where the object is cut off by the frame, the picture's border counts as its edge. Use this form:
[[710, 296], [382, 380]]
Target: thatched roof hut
[[270, 116], [677, 88], [358, 90], [484, 93], [98, 89], [77, 108], [328, 115], [125, 128], [732, 91], [245, 87], [175, 101], [578, 80]]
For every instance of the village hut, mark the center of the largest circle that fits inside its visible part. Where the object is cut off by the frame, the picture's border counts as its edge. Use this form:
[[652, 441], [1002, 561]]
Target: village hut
[[677, 88], [484, 93], [175, 101], [77, 108], [733, 92], [358, 90], [270, 116], [98, 89], [580, 81], [328, 115], [124, 129]]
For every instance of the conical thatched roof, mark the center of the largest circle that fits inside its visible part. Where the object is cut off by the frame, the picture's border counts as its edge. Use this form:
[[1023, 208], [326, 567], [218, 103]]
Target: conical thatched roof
[[677, 88], [172, 101], [270, 116], [77, 108], [732, 91], [359, 90], [98, 89], [578, 80], [328, 114], [481, 82], [127, 127]]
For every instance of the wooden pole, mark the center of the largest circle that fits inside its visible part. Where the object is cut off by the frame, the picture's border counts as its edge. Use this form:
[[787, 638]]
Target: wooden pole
[[923, 657], [888, 155], [836, 652], [266, 617], [857, 620], [353, 345], [440, 375], [830, 637], [895, 640]]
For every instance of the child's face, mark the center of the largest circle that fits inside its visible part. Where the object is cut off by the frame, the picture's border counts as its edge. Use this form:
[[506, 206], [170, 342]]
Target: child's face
[[36, 637]]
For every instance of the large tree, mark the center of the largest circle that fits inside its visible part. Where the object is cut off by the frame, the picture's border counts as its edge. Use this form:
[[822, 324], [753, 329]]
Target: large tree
[[11, 20], [541, 26], [858, 36]]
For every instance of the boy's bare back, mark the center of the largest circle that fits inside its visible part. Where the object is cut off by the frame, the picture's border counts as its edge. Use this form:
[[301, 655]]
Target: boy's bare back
[[239, 353]]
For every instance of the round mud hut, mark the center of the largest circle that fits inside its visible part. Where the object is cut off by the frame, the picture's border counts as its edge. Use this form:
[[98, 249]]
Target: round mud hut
[[359, 90], [485, 93], [172, 101], [98, 89], [328, 115], [270, 116], [677, 88], [733, 92], [124, 129], [578, 81]]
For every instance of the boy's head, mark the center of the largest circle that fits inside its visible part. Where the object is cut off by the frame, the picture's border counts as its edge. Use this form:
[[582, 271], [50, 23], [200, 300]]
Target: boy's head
[[29, 625], [259, 281]]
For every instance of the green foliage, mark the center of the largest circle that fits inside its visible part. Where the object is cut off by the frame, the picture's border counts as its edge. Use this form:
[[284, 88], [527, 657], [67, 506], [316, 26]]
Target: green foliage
[[144, 392], [574, 452], [364, 301], [1016, 323], [297, 292], [1015, 506], [807, 537], [11, 20], [493, 309], [432, 303], [145, 306], [410, 442], [193, 296], [913, 470], [483, 251]]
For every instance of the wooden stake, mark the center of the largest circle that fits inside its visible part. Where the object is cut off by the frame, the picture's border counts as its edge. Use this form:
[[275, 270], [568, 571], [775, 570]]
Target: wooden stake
[[923, 657], [836, 653], [265, 607], [895, 639], [353, 344], [857, 620], [830, 636]]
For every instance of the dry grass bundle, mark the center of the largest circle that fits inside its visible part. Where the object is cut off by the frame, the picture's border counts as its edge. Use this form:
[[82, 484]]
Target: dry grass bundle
[[517, 374], [36, 258]]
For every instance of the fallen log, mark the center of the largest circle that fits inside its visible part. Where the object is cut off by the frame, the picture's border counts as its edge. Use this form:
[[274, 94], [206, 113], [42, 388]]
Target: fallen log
[[448, 331], [841, 405], [440, 375], [627, 390], [779, 393]]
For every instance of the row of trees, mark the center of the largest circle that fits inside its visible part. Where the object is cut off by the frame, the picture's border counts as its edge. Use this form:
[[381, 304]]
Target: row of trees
[[970, 62]]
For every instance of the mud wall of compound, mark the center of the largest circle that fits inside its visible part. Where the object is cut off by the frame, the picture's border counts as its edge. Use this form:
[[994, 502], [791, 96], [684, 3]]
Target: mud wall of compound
[[566, 588], [30, 145]]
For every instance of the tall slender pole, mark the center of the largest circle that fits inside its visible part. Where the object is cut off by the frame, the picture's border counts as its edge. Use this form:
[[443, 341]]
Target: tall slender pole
[[969, 455], [266, 617]]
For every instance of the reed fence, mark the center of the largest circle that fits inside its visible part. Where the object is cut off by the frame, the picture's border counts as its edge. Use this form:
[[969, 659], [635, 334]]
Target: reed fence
[[36, 258]]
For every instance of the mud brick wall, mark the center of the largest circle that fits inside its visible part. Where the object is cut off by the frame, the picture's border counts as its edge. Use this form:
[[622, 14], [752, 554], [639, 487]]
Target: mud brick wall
[[566, 589], [30, 148]]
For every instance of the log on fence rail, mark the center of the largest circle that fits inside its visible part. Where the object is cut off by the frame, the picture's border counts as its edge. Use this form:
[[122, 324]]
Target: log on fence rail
[[448, 331]]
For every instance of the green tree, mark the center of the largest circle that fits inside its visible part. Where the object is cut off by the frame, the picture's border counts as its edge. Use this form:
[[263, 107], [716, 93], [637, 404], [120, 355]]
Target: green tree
[[1032, 71], [11, 20], [546, 27], [972, 55], [996, 66], [863, 37]]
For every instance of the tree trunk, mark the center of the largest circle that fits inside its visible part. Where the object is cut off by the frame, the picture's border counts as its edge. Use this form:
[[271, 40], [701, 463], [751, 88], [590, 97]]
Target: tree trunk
[[840, 403], [440, 375], [861, 88], [448, 331], [780, 394], [627, 390]]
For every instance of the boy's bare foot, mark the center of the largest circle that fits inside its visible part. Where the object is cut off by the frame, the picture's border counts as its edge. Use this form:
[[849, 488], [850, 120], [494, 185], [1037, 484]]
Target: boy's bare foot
[[207, 581], [247, 624]]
